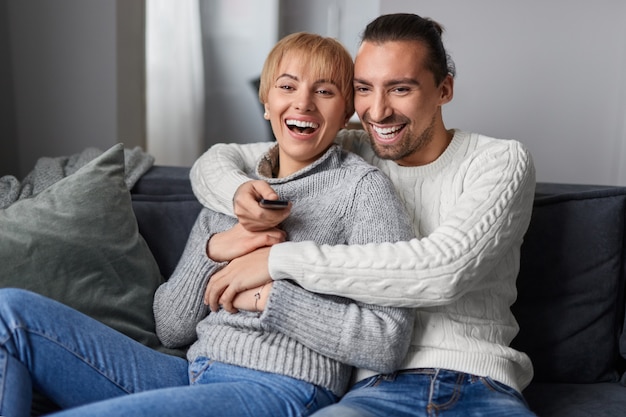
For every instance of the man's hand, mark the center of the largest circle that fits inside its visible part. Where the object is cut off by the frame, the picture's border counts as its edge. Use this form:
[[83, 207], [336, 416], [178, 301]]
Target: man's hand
[[236, 242], [243, 273], [248, 211]]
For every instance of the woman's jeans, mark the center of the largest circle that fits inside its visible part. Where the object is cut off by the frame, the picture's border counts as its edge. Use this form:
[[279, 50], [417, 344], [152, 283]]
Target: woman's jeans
[[78, 362], [426, 393]]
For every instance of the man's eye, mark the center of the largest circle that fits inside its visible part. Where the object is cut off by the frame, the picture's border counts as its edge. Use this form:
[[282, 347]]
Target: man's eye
[[401, 90], [360, 89]]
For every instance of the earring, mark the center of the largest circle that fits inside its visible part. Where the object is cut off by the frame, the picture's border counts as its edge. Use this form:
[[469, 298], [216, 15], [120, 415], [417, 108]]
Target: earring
[[266, 115]]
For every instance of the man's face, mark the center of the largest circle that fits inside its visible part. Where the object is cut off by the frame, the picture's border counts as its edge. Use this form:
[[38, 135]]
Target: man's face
[[399, 103]]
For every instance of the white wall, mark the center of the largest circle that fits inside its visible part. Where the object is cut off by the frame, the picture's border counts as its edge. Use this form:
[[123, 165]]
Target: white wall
[[340, 19], [551, 74]]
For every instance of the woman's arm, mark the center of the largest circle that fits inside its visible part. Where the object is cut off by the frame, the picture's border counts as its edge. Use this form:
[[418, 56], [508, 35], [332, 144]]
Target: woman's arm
[[178, 303], [238, 241], [365, 336]]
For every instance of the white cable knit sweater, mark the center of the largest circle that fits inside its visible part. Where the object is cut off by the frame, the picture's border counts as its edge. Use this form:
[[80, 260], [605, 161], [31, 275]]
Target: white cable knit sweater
[[471, 207]]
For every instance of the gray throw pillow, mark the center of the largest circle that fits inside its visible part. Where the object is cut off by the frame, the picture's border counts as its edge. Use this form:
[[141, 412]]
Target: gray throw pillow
[[77, 242]]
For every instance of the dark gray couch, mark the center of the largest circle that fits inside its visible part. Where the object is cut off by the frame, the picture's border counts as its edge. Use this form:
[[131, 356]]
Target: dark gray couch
[[571, 286], [570, 304]]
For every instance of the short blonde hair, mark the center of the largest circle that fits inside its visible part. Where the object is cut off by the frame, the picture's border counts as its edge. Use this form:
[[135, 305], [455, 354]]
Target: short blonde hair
[[327, 58]]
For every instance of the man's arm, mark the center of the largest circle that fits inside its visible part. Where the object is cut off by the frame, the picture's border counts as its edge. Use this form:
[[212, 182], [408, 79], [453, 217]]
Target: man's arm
[[221, 170], [483, 231], [217, 174]]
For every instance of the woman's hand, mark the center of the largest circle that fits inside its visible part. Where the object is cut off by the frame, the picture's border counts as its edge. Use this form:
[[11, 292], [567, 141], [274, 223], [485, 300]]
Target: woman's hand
[[252, 300], [248, 211], [238, 241], [246, 272]]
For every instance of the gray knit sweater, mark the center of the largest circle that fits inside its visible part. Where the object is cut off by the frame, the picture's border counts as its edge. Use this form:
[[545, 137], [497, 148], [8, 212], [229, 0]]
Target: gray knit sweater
[[339, 199]]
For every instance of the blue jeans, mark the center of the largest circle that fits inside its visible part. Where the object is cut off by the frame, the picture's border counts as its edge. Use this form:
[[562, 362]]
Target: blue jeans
[[428, 392], [217, 389], [88, 368]]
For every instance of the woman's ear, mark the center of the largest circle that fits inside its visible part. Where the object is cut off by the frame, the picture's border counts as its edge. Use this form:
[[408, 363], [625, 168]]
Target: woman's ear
[[266, 115]]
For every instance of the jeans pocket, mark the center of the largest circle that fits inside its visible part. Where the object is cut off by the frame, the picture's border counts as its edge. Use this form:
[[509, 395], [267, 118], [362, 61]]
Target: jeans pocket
[[197, 368], [502, 388]]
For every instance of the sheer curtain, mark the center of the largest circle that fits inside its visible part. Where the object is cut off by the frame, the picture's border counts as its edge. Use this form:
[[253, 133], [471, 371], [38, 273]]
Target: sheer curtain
[[174, 81]]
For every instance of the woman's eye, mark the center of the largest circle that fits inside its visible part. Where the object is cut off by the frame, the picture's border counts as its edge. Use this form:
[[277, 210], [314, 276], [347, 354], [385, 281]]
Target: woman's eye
[[324, 92], [284, 87]]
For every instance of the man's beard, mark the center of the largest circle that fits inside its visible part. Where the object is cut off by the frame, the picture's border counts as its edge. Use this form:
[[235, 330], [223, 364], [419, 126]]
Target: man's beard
[[409, 145]]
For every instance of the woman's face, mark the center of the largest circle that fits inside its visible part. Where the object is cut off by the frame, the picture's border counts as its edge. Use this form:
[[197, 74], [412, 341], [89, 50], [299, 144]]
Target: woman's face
[[305, 112]]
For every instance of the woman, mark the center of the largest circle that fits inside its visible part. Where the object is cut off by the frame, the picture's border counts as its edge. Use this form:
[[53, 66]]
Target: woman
[[287, 351]]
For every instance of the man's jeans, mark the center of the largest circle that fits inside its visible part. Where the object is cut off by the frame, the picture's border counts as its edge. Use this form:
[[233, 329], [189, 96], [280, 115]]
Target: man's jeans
[[428, 392], [76, 360]]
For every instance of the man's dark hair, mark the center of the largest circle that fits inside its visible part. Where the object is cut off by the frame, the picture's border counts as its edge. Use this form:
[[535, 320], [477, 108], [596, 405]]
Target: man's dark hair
[[411, 27]]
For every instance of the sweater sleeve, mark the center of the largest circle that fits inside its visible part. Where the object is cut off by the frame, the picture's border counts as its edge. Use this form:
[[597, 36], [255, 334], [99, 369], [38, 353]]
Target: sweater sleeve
[[217, 174], [377, 215], [178, 303], [488, 219], [367, 336]]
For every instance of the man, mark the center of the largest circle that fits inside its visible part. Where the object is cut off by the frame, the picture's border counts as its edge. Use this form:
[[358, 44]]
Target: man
[[471, 199]]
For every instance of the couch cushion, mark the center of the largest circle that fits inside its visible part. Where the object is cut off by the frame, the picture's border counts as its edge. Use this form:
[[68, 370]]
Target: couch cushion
[[77, 242], [164, 181], [606, 399], [166, 210], [570, 301], [165, 224]]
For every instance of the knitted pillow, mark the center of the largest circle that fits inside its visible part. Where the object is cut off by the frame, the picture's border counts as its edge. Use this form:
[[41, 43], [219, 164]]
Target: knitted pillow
[[77, 242]]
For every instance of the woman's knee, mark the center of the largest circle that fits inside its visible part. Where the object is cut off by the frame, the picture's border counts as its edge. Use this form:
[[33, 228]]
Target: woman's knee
[[18, 308], [14, 299]]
